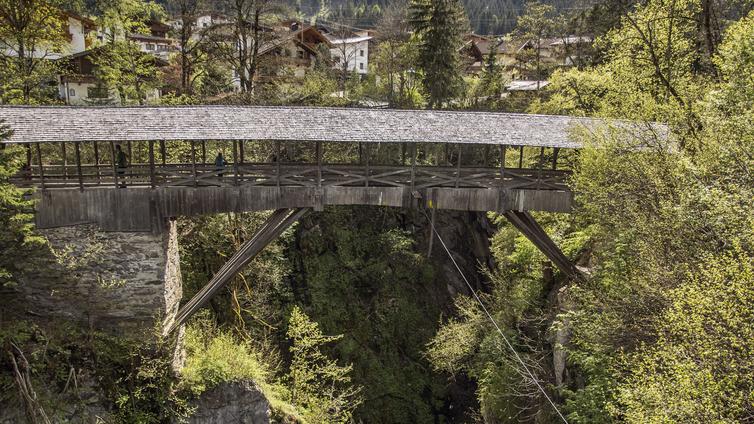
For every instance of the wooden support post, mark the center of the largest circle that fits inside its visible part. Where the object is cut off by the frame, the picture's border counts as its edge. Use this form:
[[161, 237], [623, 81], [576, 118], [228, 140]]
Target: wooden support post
[[458, 167], [403, 154], [79, 174], [163, 152], [28, 157], [65, 162], [521, 157], [319, 164], [235, 162], [503, 148], [41, 167], [152, 174], [541, 165], [431, 229], [366, 180], [278, 222], [96, 160], [413, 167], [525, 223], [555, 158], [115, 164], [361, 154], [204, 152], [242, 157], [277, 162], [130, 152], [193, 163]]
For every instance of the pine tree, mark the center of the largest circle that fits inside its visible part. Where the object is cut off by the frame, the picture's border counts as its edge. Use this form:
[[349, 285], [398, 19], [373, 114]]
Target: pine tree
[[440, 25]]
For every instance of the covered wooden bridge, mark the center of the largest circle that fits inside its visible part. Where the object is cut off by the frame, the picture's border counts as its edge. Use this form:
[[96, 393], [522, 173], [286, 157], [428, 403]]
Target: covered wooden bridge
[[289, 160]]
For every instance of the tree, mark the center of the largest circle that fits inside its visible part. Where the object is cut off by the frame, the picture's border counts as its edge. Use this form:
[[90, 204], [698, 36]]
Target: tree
[[240, 42], [121, 64], [17, 238], [119, 18], [131, 72], [532, 28], [318, 383], [30, 32], [396, 59], [191, 42], [440, 25]]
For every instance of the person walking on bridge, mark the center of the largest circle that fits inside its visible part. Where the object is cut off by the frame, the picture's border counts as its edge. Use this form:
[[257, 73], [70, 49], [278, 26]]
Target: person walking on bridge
[[220, 164], [121, 160]]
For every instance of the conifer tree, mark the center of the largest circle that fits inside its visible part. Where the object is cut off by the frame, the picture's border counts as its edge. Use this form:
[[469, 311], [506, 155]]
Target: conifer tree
[[440, 24]]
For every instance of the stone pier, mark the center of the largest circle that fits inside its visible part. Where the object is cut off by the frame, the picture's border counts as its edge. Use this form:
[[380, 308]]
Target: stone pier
[[112, 281]]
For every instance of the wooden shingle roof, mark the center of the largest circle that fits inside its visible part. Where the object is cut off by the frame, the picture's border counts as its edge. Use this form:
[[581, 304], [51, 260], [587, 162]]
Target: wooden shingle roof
[[58, 124]]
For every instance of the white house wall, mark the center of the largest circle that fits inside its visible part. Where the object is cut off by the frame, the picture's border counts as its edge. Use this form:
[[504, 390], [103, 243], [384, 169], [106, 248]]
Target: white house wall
[[353, 53]]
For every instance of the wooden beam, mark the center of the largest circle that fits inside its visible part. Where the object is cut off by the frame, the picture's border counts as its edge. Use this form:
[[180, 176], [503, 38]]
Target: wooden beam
[[163, 152], [204, 152], [503, 148], [65, 161], [521, 157], [235, 162], [366, 179], [413, 167], [318, 153], [115, 165], [458, 168], [152, 174], [277, 162], [241, 151], [41, 167], [279, 221], [193, 163], [555, 158], [96, 160], [77, 148], [529, 227]]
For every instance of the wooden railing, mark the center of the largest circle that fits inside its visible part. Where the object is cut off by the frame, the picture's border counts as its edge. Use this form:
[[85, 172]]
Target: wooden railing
[[289, 175]]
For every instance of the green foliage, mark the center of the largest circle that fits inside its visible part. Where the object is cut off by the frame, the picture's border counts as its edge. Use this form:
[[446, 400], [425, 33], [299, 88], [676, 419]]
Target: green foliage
[[440, 25], [30, 33], [700, 368], [17, 238], [213, 357], [359, 274], [318, 385], [122, 66], [533, 26], [123, 17], [68, 366]]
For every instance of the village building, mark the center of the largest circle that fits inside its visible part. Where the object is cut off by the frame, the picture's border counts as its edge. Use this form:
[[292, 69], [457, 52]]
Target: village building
[[78, 36], [78, 85], [351, 53], [157, 42]]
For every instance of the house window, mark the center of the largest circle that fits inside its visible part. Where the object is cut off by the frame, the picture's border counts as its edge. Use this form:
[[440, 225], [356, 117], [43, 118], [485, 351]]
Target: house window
[[361, 53], [300, 54], [98, 93], [150, 47], [336, 59], [71, 92], [361, 66]]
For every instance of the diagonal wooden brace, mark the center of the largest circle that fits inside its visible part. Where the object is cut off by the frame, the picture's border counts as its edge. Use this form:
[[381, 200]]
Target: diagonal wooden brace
[[279, 221], [525, 223]]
